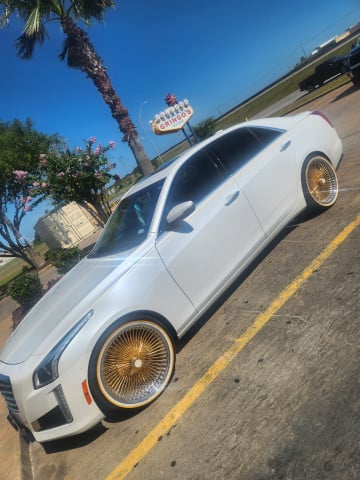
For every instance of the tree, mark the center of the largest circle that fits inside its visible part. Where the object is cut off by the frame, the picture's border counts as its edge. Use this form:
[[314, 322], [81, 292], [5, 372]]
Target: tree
[[205, 128], [20, 147], [77, 50], [78, 175]]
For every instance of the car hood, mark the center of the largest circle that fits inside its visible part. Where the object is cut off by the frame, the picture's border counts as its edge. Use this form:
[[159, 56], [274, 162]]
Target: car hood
[[62, 306]]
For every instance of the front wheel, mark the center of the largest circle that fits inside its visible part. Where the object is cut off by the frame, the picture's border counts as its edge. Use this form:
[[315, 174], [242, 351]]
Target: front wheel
[[320, 183], [131, 365]]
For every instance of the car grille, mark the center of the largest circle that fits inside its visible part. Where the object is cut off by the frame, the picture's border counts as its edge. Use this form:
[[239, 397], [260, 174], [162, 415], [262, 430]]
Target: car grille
[[7, 392]]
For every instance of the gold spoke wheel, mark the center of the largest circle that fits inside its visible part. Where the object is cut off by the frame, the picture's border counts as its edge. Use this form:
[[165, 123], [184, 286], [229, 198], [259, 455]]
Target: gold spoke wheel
[[321, 182], [135, 364]]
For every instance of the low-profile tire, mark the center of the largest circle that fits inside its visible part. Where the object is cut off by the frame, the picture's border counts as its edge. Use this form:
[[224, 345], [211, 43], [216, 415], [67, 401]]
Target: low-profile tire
[[131, 365], [319, 181]]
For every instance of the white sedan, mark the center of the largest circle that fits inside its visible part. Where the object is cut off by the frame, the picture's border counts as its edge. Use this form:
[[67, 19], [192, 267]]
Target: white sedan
[[105, 336]]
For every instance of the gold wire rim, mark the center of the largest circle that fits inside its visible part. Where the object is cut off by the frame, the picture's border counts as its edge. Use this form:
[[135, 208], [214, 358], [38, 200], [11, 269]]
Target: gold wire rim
[[135, 364], [321, 181]]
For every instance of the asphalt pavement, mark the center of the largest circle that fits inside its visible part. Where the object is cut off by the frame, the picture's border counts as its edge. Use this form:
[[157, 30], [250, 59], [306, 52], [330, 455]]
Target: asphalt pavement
[[320, 343]]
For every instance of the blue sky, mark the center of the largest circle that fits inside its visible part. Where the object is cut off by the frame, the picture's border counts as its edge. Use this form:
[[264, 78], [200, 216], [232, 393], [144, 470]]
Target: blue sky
[[214, 53]]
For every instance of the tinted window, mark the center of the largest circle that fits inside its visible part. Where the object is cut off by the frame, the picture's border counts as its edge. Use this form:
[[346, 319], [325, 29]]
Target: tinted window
[[265, 135], [194, 181], [238, 147], [235, 148]]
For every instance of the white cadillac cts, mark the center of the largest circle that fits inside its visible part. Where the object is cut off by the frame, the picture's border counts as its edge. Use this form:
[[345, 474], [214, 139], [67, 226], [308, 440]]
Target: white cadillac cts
[[104, 337]]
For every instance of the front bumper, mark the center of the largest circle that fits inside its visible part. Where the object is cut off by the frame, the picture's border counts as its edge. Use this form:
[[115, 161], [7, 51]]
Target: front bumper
[[55, 411]]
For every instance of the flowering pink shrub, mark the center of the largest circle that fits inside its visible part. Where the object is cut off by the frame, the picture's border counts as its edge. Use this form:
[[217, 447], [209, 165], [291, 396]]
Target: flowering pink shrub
[[20, 175], [77, 175], [68, 175]]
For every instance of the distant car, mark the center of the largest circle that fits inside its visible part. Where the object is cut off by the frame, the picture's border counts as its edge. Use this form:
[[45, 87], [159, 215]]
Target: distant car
[[104, 337], [324, 71], [353, 62]]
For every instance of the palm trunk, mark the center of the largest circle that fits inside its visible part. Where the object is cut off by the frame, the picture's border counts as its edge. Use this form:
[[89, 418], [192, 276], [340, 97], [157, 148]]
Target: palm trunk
[[82, 55]]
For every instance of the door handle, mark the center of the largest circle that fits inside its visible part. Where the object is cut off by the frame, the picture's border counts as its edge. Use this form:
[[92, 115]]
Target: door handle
[[231, 198], [285, 146]]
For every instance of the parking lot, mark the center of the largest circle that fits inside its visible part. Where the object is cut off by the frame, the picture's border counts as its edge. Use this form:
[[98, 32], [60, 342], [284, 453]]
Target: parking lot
[[268, 388]]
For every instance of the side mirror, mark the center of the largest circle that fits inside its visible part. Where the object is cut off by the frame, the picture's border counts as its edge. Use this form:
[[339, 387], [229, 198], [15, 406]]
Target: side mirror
[[179, 212]]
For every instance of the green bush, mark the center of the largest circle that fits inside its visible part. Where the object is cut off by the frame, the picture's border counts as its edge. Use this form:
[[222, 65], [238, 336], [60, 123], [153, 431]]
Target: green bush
[[26, 289], [64, 259], [3, 290]]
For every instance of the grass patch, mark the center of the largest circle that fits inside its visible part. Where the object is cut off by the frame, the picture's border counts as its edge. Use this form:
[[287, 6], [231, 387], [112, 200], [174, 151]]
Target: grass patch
[[319, 92], [11, 270], [15, 267]]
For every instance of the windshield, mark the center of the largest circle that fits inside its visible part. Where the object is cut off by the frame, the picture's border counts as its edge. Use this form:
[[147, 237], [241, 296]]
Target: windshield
[[129, 224]]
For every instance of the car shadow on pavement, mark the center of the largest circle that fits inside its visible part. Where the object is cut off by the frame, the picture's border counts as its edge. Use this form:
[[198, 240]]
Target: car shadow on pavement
[[83, 439], [349, 91], [301, 218], [77, 441]]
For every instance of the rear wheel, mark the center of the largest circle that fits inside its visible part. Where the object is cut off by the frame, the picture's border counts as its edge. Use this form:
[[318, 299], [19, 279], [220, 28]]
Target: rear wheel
[[356, 79], [131, 365], [320, 183]]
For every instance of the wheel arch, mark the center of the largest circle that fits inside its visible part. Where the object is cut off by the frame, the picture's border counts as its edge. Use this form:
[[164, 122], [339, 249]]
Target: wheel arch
[[314, 153], [155, 317], [139, 315]]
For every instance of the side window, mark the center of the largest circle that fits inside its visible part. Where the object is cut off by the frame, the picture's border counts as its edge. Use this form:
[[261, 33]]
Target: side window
[[236, 148], [239, 146], [195, 180], [265, 135]]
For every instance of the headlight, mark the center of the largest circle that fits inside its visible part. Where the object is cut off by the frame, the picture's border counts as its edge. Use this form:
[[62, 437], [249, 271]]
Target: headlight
[[47, 371]]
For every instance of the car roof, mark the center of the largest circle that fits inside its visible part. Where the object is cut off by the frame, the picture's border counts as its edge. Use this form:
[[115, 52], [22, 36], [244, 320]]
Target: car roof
[[168, 168]]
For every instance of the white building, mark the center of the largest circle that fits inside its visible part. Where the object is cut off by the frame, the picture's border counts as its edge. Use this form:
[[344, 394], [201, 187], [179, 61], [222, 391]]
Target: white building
[[65, 227]]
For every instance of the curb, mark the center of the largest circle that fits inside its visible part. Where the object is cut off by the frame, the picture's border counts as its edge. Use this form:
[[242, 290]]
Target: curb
[[26, 472]]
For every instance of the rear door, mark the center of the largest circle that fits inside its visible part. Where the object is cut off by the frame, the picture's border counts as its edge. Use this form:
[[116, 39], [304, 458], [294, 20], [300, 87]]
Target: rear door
[[262, 162]]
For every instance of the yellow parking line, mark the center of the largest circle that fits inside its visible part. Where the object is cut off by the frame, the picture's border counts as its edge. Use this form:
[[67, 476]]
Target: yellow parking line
[[143, 448]]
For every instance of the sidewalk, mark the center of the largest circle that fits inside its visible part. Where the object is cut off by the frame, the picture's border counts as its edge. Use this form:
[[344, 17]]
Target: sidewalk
[[10, 456], [13, 450]]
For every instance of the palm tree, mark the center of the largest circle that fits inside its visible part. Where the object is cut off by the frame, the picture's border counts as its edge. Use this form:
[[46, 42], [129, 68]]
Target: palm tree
[[77, 50]]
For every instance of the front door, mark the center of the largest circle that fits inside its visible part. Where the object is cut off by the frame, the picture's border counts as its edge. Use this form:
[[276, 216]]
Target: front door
[[208, 247]]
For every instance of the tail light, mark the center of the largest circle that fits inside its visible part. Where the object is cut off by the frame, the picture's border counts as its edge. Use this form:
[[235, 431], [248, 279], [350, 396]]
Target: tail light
[[323, 116]]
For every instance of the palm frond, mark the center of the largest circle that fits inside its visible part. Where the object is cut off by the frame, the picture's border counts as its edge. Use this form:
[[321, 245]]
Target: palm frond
[[88, 9], [26, 43], [34, 21], [5, 14]]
